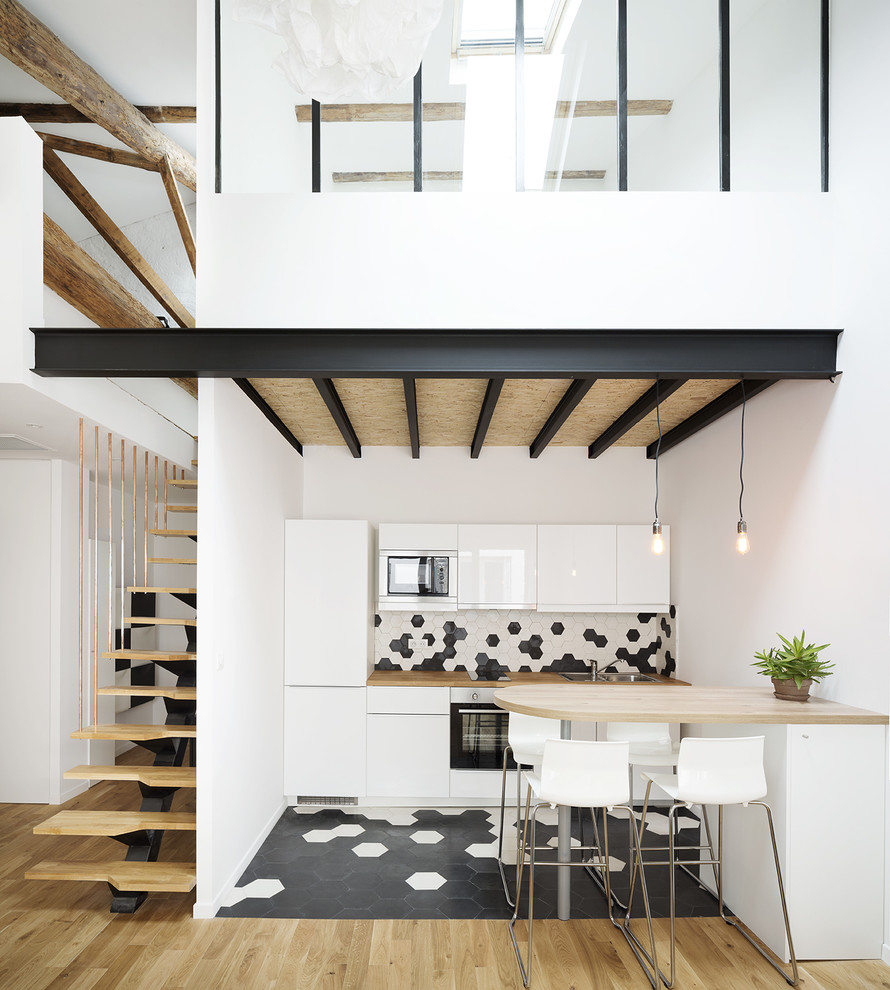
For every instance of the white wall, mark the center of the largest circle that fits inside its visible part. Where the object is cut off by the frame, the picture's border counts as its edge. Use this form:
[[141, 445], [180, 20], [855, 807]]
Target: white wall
[[250, 481]]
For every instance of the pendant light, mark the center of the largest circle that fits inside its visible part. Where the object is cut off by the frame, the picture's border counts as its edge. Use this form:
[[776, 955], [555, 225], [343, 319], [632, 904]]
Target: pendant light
[[657, 538], [742, 544]]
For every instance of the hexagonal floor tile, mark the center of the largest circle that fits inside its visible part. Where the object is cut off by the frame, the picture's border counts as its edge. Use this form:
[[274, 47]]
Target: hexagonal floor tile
[[395, 816], [256, 888], [370, 849], [348, 830], [320, 835], [482, 849], [427, 838], [659, 823], [425, 881]]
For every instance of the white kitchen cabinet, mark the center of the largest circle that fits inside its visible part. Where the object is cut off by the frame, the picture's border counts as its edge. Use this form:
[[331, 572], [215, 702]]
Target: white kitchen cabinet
[[324, 742], [328, 589], [408, 700], [576, 567], [418, 537], [644, 578], [497, 566], [408, 756]]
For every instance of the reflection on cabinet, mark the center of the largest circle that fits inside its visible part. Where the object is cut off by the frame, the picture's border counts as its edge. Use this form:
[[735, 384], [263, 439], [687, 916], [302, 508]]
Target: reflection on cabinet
[[497, 566], [324, 742], [644, 578], [576, 567], [408, 755]]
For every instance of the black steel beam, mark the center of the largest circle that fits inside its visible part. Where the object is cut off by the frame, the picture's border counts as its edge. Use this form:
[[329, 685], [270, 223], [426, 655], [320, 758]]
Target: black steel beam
[[316, 146], [519, 94], [622, 95], [723, 404], [268, 412], [492, 393], [723, 27], [418, 129], [297, 353], [564, 408], [335, 407], [411, 409], [824, 89], [217, 98], [633, 414]]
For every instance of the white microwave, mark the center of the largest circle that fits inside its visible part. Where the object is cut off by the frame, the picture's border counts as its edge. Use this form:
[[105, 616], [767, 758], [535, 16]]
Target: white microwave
[[407, 579]]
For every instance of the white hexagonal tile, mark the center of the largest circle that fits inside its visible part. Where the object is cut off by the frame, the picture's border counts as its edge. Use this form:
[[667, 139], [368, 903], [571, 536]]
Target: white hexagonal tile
[[483, 850], [348, 830], [370, 849], [427, 838], [395, 816], [256, 888], [555, 842], [425, 881], [658, 824], [320, 835]]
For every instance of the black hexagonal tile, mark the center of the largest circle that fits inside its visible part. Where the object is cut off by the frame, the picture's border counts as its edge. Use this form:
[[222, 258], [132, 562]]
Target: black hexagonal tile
[[557, 629], [460, 633], [377, 621], [448, 626], [492, 639], [633, 635], [417, 621], [514, 628], [592, 636]]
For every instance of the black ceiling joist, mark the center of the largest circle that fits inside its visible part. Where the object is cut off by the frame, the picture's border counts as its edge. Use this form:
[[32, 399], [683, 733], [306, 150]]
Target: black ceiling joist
[[335, 407], [326, 354], [631, 416], [492, 393], [268, 412], [564, 408], [723, 404], [411, 410]]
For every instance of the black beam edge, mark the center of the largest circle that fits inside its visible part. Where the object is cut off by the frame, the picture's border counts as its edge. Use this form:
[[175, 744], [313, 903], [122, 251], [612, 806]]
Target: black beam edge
[[268, 412], [622, 94], [731, 399], [421, 353], [335, 407], [725, 102], [316, 146], [411, 410], [825, 91], [418, 129], [492, 393], [217, 98], [564, 408], [633, 414]]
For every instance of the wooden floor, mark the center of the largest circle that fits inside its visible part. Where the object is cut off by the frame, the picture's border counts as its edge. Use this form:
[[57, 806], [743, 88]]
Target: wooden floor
[[57, 935]]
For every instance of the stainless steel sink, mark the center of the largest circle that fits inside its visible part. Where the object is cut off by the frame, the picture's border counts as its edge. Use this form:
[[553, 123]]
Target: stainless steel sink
[[617, 677], [577, 675]]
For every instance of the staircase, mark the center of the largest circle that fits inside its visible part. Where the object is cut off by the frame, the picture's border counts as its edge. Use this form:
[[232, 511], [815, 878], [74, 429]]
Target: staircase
[[168, 748]]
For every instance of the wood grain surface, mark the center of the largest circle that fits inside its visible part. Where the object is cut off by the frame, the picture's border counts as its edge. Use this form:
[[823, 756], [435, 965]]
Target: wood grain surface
[[460, 678]]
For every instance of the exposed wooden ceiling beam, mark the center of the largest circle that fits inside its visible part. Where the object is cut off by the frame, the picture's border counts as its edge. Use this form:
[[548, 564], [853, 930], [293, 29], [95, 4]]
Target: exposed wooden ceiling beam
[[411, 410], [631, 416], [30, 44], [270, 414], [720, 406], [492, 393], [98, 151], [117, 240], [81, 281], [452, 176], [64, 113], [182, 220], [564, 408], [335, 407], [338, 113]]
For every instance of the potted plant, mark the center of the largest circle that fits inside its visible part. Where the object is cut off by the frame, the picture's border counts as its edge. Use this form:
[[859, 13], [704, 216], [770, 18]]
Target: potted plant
[[793, 667]]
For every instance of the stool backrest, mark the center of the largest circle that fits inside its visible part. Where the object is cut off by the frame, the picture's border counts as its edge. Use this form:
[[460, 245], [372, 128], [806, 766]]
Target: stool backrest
[[585, 774], [644, 737], [721, 771], [527, 735]]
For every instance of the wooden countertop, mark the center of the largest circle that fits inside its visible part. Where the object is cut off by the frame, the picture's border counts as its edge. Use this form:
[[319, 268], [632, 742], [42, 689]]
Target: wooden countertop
[[460, 678], [678, 703]]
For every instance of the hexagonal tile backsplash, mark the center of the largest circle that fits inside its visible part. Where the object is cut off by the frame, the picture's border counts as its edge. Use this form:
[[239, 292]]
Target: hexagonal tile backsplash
[[518, 640]]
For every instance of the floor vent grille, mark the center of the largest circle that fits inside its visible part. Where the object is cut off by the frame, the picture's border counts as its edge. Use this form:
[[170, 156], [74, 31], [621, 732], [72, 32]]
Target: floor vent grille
[[326, 800]]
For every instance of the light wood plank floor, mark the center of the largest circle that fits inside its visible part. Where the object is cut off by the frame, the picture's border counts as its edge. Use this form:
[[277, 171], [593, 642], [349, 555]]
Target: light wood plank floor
[[60, 935]]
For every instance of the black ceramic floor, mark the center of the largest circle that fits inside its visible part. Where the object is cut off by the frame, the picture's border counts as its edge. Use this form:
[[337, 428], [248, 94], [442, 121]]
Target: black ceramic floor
[[335, 863]]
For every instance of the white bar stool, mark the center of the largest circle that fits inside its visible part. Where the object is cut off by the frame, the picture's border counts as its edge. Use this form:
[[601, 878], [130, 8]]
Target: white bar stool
[[720, 772], [580, 774], [526, 735]]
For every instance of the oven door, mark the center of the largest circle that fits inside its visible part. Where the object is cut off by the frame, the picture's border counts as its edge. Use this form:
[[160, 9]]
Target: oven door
[[479, 736]]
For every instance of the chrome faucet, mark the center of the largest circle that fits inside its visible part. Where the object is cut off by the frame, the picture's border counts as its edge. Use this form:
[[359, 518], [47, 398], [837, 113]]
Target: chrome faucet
[[594, 670]]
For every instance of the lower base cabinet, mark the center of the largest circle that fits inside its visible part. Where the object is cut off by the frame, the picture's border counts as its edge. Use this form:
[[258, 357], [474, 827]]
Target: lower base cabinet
[[324, 742], [408, 756]]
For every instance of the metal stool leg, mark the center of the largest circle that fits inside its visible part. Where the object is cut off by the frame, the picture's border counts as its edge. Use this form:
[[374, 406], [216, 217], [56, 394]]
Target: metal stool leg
[[507, 752], [530, 821]]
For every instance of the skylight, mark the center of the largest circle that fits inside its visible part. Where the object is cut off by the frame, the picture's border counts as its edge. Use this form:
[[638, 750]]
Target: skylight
[[487, 27]]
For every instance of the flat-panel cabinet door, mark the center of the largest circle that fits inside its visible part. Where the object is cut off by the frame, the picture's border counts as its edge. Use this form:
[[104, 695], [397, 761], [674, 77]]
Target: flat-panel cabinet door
[[497, 566], [644, 577], [576, 567], [324, 741], [408, 756]]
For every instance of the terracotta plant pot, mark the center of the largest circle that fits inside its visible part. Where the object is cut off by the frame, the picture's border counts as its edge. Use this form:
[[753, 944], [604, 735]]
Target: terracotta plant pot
[[789, 691]]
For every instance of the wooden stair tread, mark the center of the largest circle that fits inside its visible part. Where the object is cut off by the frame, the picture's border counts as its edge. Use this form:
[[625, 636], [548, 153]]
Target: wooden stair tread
[[194, 463], [173, 532], [152, 691], [182, 508], [135, 733], [165, 655], [174, 877], [150, 776], [184, 483], [153, 620], [172, 591], [172, 560], [111, 823]]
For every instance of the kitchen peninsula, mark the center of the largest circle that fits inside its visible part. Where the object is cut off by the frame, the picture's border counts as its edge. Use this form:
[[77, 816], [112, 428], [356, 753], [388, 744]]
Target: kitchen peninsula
[[825, 770]]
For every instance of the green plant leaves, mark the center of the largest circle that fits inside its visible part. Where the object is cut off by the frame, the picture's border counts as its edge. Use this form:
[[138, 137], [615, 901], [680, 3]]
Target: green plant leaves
[[797, 660]]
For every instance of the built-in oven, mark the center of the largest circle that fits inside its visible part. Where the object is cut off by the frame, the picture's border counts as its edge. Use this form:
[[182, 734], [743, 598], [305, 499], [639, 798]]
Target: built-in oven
[[478, 730], [409, 579]]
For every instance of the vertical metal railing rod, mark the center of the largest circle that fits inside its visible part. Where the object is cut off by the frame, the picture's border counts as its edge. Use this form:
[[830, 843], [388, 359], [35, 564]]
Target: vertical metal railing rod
[[134, 515], [156, 492], [96, 557], [621, 109], [217, 97], [165, 494], [110, 579], [723, 26], [824, 91], [519, 86], [145, 522], [123, 558], [418, 129], [316, 146], [80, 575]]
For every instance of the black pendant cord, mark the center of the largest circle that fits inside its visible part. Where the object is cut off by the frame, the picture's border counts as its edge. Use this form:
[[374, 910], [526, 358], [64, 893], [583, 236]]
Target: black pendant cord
[[742, 457], [657, 446]]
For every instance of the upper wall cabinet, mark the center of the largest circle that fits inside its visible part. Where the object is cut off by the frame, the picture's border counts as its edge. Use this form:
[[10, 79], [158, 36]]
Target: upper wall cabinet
[[644, 578], [497, 566], [576, 567], [418, 537]]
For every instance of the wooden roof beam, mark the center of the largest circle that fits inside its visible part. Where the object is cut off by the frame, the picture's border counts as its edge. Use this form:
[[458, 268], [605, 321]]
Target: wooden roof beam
[[100, 152], [411, 411], [564, 408], [29, 44], [182, 220], [64, 113], [492, 394], [335, 407], [631, 416]]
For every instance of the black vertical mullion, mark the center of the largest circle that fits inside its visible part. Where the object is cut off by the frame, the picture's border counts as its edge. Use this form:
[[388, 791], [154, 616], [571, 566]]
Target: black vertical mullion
[[418, 129], [316, 146], [723, 18], [519, 84], [622, 95], [217, 97], [824, 88]]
